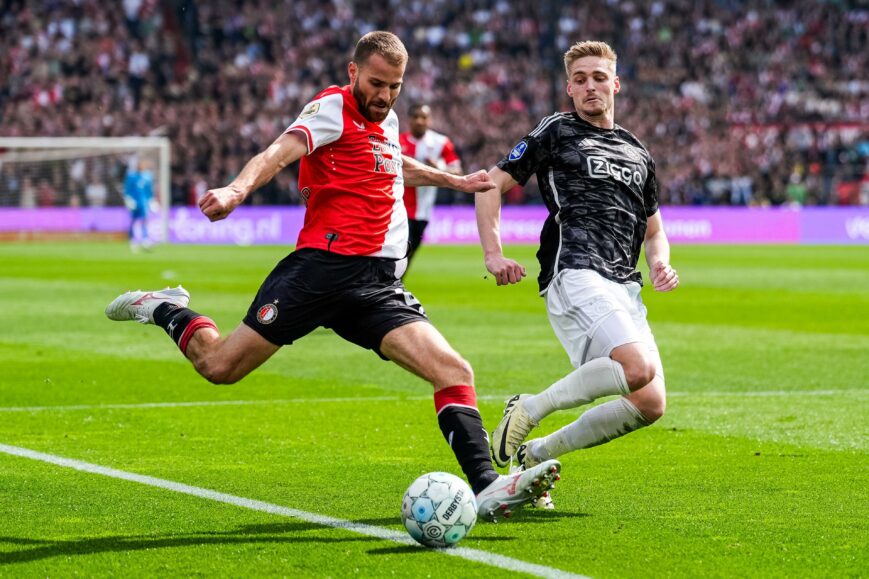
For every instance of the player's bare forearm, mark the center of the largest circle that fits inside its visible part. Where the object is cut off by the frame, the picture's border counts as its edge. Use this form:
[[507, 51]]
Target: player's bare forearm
[[488, 209], [418, 174], [657, 248], [454, 169], [217, 204]]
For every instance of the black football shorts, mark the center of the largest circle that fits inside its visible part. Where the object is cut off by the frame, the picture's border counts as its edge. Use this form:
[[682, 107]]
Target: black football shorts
[[357, 297]]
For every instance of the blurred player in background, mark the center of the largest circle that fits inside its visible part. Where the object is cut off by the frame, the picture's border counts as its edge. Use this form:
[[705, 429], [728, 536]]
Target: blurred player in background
[[346, 269], [435, 150], [598, 182], [138, 197]]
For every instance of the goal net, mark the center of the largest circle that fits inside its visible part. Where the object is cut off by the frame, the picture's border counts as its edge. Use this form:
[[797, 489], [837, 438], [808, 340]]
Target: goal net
[[76, 185]]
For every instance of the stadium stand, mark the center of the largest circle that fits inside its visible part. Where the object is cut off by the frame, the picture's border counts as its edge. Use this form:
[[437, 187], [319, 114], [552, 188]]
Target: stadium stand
[[740, 101]]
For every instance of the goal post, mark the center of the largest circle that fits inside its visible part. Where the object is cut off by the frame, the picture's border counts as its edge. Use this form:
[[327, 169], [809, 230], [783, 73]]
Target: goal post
[[70, 175]]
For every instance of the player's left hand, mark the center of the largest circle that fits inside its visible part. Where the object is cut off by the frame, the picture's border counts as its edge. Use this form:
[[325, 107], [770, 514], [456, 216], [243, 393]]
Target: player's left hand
[[474, 183], [664, 277], [217, 204], [505, 270]]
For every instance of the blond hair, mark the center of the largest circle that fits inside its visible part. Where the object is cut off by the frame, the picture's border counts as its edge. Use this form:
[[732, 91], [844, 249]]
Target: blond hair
[[386, 44], [588, 48]]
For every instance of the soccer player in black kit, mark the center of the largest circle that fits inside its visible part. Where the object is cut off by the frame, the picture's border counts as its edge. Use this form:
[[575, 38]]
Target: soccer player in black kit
[[598, 182]]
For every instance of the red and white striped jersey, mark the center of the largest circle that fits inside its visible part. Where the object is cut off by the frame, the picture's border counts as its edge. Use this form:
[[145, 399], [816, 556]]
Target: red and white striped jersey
[[433, 146], [351, 179]]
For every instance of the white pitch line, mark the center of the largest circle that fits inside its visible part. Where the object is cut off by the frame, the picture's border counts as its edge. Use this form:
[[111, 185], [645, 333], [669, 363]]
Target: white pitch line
[[195, 403], [763, 393], [474, 555], [198, 403]]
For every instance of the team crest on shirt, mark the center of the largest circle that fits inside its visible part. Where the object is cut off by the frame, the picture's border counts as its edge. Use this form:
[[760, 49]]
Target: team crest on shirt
[[518, 151], [310, 110], [267, 314], [632, 153]]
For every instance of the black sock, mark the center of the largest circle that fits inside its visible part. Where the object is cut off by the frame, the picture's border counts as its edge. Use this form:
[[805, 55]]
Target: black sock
[[463, 430], [176, 321]]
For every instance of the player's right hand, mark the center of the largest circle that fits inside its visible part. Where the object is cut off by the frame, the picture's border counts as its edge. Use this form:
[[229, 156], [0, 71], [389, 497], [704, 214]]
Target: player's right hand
[[506, 271], [217, 204]]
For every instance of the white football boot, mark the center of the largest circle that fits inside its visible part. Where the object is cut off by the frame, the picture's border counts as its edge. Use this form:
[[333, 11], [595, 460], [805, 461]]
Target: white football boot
[[516, 489], [511, 431], [139, 306], [523, 460]]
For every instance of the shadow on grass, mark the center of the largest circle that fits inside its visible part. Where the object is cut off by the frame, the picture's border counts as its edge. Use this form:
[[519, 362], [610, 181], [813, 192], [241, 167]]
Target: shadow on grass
[[528, 516], [248, 534], [543, 516], [37, 549], [411, 549], [525, 515]]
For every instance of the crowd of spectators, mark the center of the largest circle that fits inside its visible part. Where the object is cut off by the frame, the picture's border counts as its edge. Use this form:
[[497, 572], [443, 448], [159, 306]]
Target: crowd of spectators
[[739, 101]]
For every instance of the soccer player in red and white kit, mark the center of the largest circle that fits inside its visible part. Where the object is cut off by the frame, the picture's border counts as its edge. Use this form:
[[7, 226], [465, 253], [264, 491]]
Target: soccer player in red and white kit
[[435, 150], [345, 272]]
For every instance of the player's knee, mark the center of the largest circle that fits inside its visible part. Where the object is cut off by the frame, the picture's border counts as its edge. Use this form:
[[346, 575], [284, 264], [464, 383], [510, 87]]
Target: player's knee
[[464, 371], [653, 407], [455, 370], [639, 371]]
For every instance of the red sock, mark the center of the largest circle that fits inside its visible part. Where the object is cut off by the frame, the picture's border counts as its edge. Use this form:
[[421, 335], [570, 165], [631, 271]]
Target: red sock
[[462, 427]]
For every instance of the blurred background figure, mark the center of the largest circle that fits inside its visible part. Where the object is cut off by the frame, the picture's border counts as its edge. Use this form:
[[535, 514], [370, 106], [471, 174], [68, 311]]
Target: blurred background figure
[[138, 197], [432, 148]]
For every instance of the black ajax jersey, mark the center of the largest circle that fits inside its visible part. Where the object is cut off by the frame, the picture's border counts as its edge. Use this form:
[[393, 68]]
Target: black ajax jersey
[[600, 188]]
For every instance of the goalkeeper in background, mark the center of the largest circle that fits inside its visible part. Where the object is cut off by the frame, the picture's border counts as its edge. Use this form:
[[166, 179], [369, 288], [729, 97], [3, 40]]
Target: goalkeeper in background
[[138, 196]]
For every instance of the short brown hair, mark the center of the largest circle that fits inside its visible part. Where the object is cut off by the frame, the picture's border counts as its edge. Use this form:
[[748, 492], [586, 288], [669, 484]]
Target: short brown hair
[[386, 44], [588, 48]]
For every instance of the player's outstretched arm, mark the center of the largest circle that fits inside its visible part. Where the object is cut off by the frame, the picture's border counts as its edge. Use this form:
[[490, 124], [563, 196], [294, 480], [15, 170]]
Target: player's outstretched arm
[[418, 174], [488, 205], [664, 278], [217, 204]]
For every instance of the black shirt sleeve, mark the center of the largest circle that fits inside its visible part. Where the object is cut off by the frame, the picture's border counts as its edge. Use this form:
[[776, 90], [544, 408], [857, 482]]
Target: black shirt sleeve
[[531, 153], [650, 191]]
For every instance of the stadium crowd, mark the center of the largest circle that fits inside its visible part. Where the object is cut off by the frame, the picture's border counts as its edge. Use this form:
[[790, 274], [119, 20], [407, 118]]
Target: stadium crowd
[[740, 101]]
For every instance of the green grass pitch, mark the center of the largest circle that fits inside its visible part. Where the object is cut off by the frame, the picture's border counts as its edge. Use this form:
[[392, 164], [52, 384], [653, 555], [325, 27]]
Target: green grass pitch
[[758, 469]]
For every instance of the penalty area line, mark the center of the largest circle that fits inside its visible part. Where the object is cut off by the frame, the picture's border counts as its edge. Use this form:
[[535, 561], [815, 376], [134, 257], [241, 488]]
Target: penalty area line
[[474, 555]]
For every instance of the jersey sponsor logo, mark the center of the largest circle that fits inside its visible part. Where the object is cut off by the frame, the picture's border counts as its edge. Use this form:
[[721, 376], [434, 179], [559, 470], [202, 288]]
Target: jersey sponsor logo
[[382, 163], [386, 165], [310, 110], [518, 151], [267, 314], [305, 194], [602, 168]]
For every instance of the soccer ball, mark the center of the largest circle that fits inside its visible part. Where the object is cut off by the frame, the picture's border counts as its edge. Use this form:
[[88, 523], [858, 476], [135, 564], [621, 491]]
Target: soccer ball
[[439, 509]]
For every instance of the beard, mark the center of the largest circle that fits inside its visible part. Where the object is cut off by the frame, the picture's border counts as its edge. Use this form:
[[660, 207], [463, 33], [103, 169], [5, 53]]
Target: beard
[[367, 109], [595, 108]]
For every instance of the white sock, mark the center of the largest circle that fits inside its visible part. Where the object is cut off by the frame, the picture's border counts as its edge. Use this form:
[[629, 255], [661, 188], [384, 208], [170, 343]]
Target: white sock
[[596, 426], [595, 379]]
